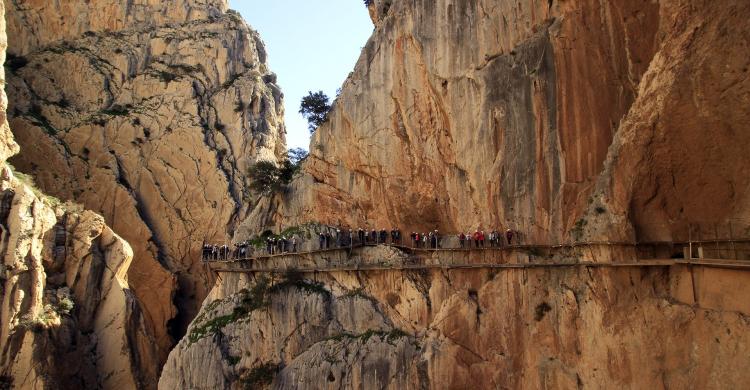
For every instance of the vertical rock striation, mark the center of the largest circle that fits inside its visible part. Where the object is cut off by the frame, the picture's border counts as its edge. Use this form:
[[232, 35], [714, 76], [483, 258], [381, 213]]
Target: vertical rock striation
[[575, 120], [576, 327], [488, 113], [149, 113], [68, 318]]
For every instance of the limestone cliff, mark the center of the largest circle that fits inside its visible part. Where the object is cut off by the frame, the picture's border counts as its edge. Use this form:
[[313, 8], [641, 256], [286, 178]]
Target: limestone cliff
[[562, 328], [149, 113], [492, 113], [68, 318], [575, 120]]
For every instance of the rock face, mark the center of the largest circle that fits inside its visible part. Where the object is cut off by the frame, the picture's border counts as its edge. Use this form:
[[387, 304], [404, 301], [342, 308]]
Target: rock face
[[37, 24], [68, 318], [542, 116], [567, 121], [149, 113], [576, 327]]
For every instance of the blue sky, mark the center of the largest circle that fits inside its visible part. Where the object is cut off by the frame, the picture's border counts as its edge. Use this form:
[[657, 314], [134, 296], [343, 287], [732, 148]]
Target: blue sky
[[312, 45]]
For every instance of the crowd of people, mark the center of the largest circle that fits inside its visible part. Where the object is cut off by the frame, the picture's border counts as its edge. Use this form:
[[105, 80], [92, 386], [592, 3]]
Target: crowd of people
[[494, 239], [332, 238]]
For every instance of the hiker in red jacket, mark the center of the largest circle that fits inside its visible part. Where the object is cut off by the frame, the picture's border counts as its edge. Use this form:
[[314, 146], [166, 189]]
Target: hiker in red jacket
[[509, 236]]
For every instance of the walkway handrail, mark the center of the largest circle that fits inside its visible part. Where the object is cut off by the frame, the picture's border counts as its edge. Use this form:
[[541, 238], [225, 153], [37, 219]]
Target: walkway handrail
[[493, 248]]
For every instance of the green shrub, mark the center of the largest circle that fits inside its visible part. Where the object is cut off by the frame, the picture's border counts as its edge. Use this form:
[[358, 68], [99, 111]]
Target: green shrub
[[255, 298], [65, 305], [267, 178]]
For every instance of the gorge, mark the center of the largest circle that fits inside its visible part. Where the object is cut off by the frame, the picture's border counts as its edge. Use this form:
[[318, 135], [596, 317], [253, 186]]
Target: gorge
[[567, 121]]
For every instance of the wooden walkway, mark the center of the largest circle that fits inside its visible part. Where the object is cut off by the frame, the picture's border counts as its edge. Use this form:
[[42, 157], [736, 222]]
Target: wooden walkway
[[430, 258], [713, 263]]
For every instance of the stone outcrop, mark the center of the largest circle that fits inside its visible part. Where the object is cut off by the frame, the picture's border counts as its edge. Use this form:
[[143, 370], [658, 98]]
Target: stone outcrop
[[8, 145], [149, 113], [546, 117], [573, 327], [679, 154], [68, 318], [38, 23]]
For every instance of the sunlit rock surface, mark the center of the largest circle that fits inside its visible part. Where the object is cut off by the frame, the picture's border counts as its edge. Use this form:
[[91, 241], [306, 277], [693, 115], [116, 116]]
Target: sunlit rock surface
[[68, 318], [562, 120], [149, 113], [571, 327], [567, 121]]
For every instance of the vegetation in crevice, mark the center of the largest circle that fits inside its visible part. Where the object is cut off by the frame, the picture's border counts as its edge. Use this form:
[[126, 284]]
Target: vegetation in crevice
[[294, 278], [118, 110], [249, 300], [28, 180], [260, 376], [267, 177], [577, 230], [387, 336]]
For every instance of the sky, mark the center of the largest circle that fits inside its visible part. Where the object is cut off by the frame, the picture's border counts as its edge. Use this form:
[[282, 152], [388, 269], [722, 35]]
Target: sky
[[311, 45]]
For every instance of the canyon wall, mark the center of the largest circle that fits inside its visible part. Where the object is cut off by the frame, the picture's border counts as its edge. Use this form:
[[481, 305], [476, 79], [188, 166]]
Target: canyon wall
[[567, 121], [149, 113], [557, 119], [560, 327], [68, 318]]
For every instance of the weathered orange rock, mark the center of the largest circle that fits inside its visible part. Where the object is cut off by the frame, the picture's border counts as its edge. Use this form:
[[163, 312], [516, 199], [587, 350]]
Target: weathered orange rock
[[492, 114], [561, 327]]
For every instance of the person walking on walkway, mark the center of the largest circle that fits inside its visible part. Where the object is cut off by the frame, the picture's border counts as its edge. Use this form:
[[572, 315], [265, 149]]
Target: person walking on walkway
[[461, 238], [509, 236], [481, 238]]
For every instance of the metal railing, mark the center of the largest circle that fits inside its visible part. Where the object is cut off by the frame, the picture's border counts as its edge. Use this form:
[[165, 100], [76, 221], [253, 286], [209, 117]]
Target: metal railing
[[728, 241]]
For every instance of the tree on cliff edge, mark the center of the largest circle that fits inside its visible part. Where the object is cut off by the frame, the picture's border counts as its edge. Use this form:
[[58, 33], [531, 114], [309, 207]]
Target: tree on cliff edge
[[314, 108], [267, 177]]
